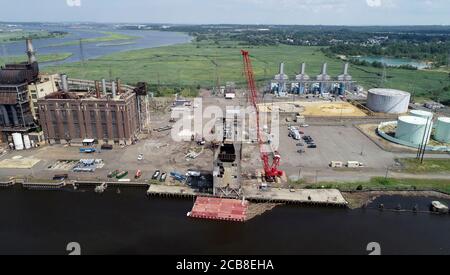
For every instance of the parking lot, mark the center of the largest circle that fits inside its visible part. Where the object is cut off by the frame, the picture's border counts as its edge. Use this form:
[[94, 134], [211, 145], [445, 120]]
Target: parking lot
[[334, 143]]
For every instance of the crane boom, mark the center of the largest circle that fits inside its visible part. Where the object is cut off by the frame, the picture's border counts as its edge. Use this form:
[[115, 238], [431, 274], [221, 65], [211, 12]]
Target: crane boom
[[271, 171]]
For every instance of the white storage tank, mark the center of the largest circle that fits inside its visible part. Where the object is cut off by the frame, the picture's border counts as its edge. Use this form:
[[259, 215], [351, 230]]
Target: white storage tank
[[412, 129], [443, 130], [422, 114], [18, 142], [388, 101], [27, 142]]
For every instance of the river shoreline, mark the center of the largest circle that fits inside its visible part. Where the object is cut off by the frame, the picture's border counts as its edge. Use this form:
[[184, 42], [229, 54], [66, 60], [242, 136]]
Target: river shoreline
[[361, 199]]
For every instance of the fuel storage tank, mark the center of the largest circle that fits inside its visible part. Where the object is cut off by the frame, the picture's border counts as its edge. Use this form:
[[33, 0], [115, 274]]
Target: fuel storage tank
[[388, 101], [443, 130], [412, 129]]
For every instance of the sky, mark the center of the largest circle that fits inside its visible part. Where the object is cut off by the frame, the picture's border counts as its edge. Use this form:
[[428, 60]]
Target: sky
[[289, 12]]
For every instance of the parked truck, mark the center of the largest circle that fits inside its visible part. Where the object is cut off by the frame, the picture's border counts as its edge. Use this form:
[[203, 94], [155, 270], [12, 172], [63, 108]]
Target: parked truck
[[354, 164], [294, 133], [87, 150]]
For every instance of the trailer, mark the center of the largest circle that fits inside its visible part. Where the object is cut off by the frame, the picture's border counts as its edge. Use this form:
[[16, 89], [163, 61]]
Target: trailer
[[87, 150], [354, 164], [336, 164]]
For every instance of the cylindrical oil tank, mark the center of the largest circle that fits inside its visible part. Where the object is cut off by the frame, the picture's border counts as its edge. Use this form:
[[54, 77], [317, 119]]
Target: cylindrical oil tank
[[412, 129], [428, 116], [18, 142], [388, 101], [422, 114], [443, 129], [27, 142]]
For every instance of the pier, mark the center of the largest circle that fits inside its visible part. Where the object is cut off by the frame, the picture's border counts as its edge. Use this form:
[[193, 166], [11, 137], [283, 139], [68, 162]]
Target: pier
[[171, 191]]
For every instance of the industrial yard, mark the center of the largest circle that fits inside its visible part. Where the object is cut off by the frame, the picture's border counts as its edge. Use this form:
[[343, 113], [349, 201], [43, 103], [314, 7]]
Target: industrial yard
[[321, 129]]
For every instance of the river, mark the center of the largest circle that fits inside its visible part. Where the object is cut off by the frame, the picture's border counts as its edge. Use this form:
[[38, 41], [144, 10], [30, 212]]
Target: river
[[146, 39], [44, 222]]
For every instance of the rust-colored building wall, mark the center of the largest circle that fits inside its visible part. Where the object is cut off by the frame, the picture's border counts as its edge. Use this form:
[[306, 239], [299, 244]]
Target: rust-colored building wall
[[105, 120]]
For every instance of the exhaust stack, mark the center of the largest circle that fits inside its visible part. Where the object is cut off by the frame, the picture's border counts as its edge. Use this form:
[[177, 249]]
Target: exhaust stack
[[64, 83], [104, 87], [113, 89], [30, 52]]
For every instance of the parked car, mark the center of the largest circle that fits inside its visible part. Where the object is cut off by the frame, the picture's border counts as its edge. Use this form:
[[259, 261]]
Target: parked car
[[140, 157], [300, 144], [156, 175], [163, 177], [312, 146], [192, 173]]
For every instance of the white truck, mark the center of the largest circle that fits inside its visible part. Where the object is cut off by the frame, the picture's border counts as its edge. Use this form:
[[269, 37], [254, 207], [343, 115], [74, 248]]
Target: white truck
[[336, 164], [294, 133], [354, 164]]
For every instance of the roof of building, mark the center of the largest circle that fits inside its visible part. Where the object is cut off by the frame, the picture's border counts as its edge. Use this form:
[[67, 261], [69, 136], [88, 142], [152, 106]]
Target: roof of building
[[15, 74]]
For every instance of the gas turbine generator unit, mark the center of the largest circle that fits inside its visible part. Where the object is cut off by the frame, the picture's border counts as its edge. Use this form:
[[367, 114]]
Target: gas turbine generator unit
[[278, 85], [303, 83]]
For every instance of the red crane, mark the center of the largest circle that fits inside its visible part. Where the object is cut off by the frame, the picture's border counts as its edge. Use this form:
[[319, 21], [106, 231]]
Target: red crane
[[271, 171]]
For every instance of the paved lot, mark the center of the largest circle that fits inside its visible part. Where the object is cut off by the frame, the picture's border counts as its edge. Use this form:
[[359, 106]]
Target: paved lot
[[335, 143]]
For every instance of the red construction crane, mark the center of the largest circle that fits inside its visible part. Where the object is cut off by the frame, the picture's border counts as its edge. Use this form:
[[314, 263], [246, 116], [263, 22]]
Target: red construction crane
[[271, 171]]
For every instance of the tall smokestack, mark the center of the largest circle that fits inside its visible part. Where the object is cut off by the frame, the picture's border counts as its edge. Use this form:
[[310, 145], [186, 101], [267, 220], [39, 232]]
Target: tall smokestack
[[282, 68], [64, 83], [104, 87], [119, 89], [30, 52], [97, 89], [113, 89], [346, 69], [303, 69], [324, 68]]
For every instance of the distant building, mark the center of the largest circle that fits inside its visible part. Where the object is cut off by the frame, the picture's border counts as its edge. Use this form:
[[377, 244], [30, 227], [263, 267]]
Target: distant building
[[107, 117]]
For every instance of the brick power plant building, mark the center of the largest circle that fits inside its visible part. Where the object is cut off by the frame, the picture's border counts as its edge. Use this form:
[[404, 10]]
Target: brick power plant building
[[110, 113]]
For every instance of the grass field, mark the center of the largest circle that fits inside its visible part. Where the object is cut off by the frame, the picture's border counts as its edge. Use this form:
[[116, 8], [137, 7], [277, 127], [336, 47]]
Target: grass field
[[41, 58], [9, 37], [429, 166], [108, 37], [197, 63], [382, 184]]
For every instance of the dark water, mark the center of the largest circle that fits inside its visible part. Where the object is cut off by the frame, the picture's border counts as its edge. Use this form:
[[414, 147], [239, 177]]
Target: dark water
[[145, 39], [41, 222]]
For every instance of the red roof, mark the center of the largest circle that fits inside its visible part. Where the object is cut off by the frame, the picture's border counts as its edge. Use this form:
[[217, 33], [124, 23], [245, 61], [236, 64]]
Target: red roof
[[219, 209]]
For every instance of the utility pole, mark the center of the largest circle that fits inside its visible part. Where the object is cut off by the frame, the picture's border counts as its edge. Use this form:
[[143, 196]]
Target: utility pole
[[81, 52]]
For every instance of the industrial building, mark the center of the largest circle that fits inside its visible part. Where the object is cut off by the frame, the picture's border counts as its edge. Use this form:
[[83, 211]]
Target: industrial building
[[322, 84], [16, 112], [388, 101], [107, 116], [42, 87]]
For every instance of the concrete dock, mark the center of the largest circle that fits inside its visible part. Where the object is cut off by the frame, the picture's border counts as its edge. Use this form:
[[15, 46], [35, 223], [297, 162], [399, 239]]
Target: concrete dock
[[330, 197], [171, 191]]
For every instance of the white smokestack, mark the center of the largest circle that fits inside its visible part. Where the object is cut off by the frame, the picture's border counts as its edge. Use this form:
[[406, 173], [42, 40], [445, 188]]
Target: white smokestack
[[30, 51], [113, 89], [303, 68]]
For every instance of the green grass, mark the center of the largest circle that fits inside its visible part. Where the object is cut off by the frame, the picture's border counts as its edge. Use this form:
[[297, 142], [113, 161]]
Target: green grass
[[108, 37], [9, 37], [382, 184], [429, 165], [41, 58], [195, 64]]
